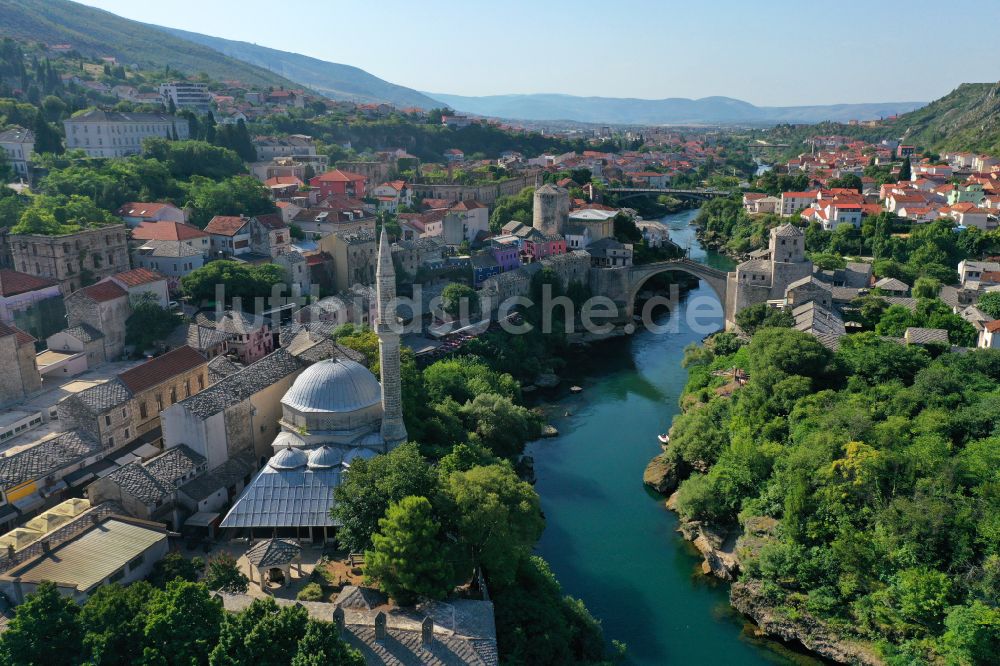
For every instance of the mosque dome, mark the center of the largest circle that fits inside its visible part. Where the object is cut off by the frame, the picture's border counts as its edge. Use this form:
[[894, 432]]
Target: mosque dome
[[334, 386], [356, 454], [289, 458], [324, 457]]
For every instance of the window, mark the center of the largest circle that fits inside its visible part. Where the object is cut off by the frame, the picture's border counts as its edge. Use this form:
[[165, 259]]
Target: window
[[173, 394], [187, 388], [107, 419], [159, 402], [201, 382], [142, 410], [126, 434], [124, 413]]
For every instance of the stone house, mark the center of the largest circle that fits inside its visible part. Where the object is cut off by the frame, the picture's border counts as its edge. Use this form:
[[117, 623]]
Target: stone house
[[31, 474], [353, 258], [105, 307], [269, 235], [250, 336], [142, 283], [20, 377], [230, 235], [135, 213], [82, 339], [72, 259], [101, 412]]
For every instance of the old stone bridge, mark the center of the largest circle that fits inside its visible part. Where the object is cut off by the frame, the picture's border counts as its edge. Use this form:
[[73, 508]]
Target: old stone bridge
[[623, 283], [699, 193]]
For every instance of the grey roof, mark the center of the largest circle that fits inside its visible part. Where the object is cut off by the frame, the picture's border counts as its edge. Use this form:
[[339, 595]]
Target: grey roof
[[175, 464], [140, 483], [312, 347], [273, 552], [46, 458], [857, 274], [365, 598], [484, 261], [102, 397], [844, 294], [787, 230], [169, 249], [892, 284], [286, 498], [761, 265], [17, 134], [205, 337], [229, 473], [84, 333], [810, 280], [813, 318], [221, 367], [334, 385], [922, 336], [905, 301], [231, 321], [101, 116], [238, 387]]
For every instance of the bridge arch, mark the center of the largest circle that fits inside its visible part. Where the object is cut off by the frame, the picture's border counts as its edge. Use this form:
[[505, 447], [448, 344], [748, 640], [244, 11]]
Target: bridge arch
[[715, 278]]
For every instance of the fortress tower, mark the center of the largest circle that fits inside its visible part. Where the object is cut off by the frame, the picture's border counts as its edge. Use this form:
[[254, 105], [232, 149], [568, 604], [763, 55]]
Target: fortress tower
[[551, 210], [393, 428]]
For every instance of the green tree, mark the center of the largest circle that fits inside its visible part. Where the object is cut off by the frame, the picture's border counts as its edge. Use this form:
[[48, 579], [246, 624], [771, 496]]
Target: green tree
[[320, 646], [989, 302], [149, 323], [173, 566], [264, 634], [926, 287], [973, 634], [499, 519], [370, 486], [45, 630], [408, 560], [502, 426], [905, 171], [114, 621], [762, 315], [458, 299], [223, 574], [182, 625], [239, 280], [848, 181]]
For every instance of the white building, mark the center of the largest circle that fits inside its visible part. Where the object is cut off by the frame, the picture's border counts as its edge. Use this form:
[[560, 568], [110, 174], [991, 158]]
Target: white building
[[184, 95], [17, 145], [111, 134]]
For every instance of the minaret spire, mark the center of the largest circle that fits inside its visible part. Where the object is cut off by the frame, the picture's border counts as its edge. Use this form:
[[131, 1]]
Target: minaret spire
[[393, 428]]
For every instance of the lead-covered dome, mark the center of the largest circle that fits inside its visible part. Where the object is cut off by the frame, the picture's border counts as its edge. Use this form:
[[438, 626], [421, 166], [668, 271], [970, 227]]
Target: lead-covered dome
[[289, 458], [324, 457], [334, 385]]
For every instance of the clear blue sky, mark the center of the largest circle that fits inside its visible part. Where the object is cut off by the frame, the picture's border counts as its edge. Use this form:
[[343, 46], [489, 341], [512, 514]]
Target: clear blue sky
[[769, 52]]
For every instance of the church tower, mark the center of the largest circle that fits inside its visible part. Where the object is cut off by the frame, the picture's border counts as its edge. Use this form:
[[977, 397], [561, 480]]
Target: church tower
[[393, 428]]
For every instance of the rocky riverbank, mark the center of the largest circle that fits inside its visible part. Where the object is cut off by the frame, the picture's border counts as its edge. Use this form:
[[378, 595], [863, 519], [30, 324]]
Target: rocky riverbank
[[721, 548]]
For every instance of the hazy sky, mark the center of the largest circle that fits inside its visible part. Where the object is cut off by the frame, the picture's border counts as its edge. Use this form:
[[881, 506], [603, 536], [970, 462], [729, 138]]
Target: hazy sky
[[769, 52]]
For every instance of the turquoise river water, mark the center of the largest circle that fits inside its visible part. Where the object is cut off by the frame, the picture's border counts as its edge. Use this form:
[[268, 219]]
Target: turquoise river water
[[609, 540]]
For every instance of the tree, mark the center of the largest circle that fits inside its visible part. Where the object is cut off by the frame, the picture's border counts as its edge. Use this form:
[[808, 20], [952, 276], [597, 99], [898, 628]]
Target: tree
[[502, 427], [223, 574], [499, 519], [239, 280], [114, 620], [182, 625], [320, 646], [238, 195], [462, 378], [848, 181], [370, 486], [149, 323], [408, 559], [926, 287], [190, 158], [264, 634], [989, 302], [973, 634], [905, 171], [762, 315], [459, 299], [45, 630], [174, 566]]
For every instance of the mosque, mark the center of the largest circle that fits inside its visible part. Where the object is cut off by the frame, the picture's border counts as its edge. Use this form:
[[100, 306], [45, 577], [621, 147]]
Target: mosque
[[336, 412]]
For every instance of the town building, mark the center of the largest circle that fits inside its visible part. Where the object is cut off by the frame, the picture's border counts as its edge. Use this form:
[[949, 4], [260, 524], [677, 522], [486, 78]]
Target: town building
[[71, 259], [354, 258], [142, 284], [186, 95], [20, 377], [33, 304], [103, 307], [135, 213], [101, 133], [250, 336], [17, 145], [340, 182]]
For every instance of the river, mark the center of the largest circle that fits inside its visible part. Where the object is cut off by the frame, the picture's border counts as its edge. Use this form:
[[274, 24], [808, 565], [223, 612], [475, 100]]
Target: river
[[609, 540]]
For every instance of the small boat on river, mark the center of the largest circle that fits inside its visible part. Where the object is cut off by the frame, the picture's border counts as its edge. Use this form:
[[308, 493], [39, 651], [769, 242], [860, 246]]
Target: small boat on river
[[664, 438]]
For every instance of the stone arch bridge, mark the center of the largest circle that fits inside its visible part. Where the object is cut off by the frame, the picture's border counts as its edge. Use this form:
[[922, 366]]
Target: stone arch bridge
[[699, 194], [622, 284]]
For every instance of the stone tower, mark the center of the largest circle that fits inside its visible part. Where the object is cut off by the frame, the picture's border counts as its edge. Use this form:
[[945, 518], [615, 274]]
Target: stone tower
[[551, 210], [393, 428]]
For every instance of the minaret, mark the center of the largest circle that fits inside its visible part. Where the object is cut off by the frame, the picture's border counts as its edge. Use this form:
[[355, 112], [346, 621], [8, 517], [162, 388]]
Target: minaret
[[393, 428]]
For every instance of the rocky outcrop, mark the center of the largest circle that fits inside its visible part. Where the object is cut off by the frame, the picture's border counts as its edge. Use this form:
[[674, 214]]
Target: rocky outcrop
[[661, 475], [716, 545], [746, 597]]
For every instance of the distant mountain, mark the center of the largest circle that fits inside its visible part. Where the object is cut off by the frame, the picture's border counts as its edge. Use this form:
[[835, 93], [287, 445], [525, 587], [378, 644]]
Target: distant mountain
[[95, 32], [967, 118], [671, 111], [331, 79]]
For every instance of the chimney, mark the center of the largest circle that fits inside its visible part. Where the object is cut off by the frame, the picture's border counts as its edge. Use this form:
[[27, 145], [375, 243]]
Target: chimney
[[380, 627], [46, 546], [427, 631], [338, 620], [10, 550]]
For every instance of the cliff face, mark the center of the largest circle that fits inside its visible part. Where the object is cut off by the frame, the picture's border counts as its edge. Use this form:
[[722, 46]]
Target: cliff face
[[723, 547]]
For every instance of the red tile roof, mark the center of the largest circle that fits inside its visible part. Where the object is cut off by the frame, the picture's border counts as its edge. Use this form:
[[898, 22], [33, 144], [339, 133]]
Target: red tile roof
[[137, 277], [272, 221], [22, 337], [468, 204], [160, 369], [175, 231], [226, 225], [337, 176], [14, 282], [103, 291], [140, 209], [992, 326]]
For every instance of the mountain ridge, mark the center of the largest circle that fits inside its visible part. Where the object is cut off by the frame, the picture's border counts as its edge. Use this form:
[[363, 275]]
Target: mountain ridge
[[334, 80], [671, 110]]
